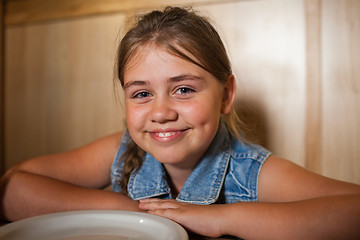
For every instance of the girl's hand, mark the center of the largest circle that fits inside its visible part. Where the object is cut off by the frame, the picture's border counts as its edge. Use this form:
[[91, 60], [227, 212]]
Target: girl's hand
[[200, 219]]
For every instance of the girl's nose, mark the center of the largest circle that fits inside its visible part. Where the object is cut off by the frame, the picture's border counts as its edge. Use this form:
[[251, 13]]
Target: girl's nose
[[162, 111]]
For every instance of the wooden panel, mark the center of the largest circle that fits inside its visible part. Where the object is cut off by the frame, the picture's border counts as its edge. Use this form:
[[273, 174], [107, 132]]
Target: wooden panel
[[59, 89], [2, 114], [341, 89], [20, 11], [313, 141], [296, 63], [266, 43]]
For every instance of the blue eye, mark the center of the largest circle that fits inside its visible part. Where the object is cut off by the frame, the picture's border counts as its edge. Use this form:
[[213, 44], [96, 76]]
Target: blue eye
[[184, 90], [142, 95]]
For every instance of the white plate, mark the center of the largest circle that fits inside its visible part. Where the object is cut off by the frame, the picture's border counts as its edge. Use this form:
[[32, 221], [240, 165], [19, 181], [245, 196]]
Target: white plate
[[94, 224]]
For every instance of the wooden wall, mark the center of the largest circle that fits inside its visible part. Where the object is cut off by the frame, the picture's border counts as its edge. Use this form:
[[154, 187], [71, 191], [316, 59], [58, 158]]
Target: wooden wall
[[59, 90], [340, 78], [296, 63], [2, 94]]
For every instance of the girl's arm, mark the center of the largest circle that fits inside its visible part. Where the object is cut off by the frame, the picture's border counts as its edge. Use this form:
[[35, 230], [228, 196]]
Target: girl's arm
[[294, 204], [336, 217], [65, 181]]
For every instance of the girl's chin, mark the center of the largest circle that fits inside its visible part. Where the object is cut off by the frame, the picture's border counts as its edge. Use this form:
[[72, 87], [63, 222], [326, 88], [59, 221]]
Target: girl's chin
[[168, 159], [176, 159]]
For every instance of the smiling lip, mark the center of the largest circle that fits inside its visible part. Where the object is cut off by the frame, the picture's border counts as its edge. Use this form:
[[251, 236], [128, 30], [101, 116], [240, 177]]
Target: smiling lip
[[166, 135]]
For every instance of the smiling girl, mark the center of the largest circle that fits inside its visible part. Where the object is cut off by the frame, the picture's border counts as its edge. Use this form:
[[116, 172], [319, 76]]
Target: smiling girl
[[182, 156]]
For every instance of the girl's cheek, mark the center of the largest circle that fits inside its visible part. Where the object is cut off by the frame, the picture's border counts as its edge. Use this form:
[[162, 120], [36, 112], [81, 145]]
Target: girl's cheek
[[201, 111], [134, 115]]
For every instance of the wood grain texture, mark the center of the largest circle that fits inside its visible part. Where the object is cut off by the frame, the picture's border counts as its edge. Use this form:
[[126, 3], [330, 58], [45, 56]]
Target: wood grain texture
[[341, 89], [28, 11], [59, 91], [266, 44], [313, 131], [2, 84], [296, 63]]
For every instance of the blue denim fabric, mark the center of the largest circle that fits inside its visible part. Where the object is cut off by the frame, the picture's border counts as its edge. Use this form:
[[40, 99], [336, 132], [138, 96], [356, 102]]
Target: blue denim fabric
[[227, 173]]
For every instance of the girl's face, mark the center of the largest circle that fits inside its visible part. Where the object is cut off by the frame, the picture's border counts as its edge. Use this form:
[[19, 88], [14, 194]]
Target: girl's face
[[173, 107]]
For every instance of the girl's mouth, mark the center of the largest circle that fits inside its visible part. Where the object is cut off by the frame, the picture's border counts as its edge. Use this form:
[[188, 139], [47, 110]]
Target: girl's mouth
[[166, 136]]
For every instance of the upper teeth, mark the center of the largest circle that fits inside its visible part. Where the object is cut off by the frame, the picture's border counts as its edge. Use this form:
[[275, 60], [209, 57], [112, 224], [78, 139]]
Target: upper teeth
[[167, 134]]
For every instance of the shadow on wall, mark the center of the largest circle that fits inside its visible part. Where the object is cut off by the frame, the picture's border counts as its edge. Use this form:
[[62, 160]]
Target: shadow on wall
[[252, 114]]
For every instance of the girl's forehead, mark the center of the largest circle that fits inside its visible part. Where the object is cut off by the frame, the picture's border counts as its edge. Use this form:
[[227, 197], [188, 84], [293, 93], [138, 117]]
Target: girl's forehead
[[155, 55], [157, 64], [142, 52]]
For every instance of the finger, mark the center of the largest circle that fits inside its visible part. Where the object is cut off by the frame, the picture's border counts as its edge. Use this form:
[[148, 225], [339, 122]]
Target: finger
[[196, 224], [169, 213], [147, 200], [162, 204], [150, 200]]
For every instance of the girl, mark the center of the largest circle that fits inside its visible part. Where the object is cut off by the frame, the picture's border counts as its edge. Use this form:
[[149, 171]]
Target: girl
[[183, 151]]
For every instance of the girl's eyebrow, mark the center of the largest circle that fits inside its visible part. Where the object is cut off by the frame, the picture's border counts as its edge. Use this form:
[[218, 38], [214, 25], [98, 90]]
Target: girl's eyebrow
[[136, 83], [185, 77], [172, 79]]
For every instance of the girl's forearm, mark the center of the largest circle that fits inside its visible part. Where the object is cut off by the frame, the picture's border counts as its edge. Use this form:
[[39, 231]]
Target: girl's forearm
[[336, 217], [26, 195]]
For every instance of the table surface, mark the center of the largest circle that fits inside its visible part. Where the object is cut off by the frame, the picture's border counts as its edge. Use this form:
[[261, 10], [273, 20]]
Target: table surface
[[2, 222]]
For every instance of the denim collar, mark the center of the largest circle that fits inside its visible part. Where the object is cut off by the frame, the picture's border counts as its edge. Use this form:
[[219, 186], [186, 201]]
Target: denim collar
[[204, 184]]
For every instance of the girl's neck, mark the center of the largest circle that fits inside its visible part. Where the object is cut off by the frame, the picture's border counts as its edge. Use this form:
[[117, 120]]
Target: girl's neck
[[176, 178]]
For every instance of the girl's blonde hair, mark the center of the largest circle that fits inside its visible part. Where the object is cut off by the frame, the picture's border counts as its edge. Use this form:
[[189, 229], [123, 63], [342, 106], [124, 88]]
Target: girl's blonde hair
[[179, 31]]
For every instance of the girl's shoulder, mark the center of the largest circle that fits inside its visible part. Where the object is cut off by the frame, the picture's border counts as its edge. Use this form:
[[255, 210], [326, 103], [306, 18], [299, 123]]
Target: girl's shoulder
[[245, 162], [242, 149]]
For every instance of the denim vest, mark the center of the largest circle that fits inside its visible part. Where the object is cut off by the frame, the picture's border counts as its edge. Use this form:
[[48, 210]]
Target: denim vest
[[228, 172]]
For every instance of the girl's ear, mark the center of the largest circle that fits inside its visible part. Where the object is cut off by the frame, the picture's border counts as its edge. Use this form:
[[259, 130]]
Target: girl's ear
[[228, 95]]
